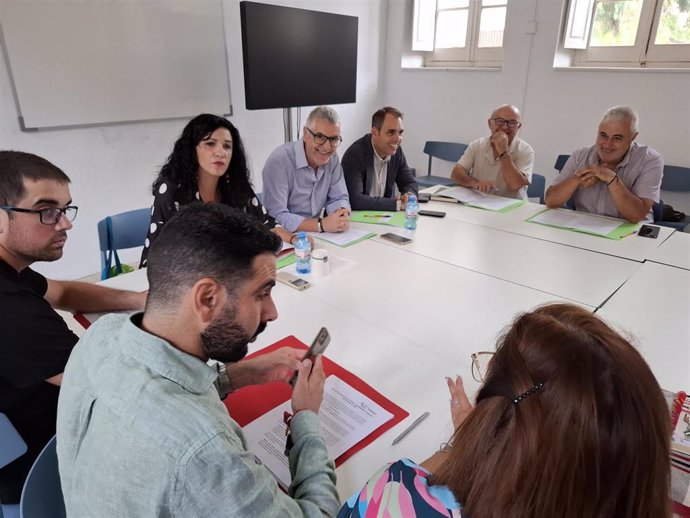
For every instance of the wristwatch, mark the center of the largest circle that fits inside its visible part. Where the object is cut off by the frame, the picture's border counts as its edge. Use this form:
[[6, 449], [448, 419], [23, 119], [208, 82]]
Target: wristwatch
[[319, 223], [224, 385]]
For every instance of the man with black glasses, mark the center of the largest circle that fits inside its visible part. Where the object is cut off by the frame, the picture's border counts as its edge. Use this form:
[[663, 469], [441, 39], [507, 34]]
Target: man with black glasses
[[36, 212], [304, 186], [501, 163]]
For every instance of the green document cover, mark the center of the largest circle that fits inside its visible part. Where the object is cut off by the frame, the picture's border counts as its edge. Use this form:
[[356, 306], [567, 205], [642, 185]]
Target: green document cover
[[379, 217], [623, 229]]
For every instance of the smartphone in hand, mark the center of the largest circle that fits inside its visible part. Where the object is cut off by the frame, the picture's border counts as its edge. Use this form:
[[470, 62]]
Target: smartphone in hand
[[318, 346]]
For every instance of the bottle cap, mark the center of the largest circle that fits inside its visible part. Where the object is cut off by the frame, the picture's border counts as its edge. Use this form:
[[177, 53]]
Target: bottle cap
[[302, 234]]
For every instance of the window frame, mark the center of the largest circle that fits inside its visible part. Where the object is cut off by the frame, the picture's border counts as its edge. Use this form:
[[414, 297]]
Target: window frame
[[643, 54], [471, 55]]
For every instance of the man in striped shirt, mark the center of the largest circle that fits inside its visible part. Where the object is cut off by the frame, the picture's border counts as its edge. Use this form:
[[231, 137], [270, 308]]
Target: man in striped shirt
[[615, 177]]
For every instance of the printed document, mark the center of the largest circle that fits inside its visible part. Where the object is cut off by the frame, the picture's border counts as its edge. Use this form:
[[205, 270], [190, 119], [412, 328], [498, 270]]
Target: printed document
[[347, 238], [477, 199], [577, 220], [347, 416]]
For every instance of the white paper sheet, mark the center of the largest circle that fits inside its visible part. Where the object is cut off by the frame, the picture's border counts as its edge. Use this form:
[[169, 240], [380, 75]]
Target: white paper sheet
[[577, 220], [476, 198], [347, 416], [348, 237]]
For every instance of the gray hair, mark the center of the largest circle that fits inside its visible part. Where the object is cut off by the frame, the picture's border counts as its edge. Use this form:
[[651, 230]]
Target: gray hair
[[623, 113], [324, 113]]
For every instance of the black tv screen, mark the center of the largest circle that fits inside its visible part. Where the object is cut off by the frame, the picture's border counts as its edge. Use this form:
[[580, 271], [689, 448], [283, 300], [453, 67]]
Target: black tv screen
[[296, 57]]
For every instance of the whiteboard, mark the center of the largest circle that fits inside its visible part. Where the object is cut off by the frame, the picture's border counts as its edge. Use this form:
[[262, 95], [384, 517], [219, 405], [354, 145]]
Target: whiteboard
[[78, 62]]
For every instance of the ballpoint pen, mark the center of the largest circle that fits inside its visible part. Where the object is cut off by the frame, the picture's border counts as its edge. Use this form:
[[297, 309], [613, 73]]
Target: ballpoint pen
[[407, 430]]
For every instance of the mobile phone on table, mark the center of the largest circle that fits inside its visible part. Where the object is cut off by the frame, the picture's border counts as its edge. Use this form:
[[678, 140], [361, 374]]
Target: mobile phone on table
[[395, 238], [318, 346], [293, 281], [648, 231], [432, 213], [423, 197]]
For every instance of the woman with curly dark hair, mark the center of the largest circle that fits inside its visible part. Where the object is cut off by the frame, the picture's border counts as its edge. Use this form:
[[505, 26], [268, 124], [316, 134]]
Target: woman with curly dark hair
[[207, 164]]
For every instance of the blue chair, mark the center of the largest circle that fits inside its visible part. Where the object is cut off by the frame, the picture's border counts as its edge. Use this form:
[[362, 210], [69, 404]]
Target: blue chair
[[42, 494], [124, 230], [12, 446], [560, 162], [537, 187], [676, 179], [449, 151]]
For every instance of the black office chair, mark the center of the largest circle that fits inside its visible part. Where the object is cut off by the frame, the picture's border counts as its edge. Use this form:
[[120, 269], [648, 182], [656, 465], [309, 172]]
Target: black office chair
[[449, 151], [560, 162], [537, 187]]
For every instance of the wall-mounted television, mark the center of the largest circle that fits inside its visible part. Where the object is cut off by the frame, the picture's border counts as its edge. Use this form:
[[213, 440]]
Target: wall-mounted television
[[297, 57]]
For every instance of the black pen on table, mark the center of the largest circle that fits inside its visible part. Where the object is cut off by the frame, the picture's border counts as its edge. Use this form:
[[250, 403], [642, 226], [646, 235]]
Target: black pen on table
[[407, 430]]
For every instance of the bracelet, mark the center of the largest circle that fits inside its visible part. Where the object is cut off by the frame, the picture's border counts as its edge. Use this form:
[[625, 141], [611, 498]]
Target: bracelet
[[615, 176], [292, 237], [505, 153], [319, 223]]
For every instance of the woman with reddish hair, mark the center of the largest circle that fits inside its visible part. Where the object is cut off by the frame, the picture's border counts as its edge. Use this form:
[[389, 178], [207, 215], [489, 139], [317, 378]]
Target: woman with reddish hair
[[569, 422]]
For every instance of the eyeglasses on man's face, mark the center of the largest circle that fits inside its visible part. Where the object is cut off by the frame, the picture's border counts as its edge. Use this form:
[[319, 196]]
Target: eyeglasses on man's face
[[480, 365], [320, 138], [511, 123], [49, 215]]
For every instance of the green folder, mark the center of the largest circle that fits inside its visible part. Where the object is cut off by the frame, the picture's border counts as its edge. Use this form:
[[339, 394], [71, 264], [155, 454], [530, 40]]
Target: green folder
[[286, 260], [379, 217], [618, 233]]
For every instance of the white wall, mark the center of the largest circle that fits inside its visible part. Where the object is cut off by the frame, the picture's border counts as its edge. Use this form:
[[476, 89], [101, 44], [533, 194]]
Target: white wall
[[561, 108], [112, 167]]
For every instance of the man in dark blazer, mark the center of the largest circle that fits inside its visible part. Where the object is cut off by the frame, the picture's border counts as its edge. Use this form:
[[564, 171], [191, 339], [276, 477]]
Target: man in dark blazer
[[375, 164]]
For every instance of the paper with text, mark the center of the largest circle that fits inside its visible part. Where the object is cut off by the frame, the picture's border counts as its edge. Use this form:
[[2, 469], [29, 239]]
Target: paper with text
[[577, 220], [347, 238], [477, 199], [347, 416]]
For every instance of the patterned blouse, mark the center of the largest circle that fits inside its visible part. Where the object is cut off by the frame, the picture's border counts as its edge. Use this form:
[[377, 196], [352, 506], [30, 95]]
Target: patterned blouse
[[401, 490], [165, 207]]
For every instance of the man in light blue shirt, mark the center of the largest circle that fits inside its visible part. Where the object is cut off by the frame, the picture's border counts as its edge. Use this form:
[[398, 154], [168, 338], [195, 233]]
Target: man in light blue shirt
[[303, 182], [141, 428]]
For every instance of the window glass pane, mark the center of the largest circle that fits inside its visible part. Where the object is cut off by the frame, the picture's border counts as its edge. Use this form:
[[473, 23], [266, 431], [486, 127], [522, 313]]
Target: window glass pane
[[489, 3], [451, 29], [491, 25], [452, 4], [615, 23], [674, 23]]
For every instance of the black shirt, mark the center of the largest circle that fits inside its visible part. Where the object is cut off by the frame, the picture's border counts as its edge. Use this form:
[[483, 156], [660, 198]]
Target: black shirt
[[35, 344]]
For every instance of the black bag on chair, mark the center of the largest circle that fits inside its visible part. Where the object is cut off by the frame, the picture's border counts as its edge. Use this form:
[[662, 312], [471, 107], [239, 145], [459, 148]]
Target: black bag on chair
[[668, 213]]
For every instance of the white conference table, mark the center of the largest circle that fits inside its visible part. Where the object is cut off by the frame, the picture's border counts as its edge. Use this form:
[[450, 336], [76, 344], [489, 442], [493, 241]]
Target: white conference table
[[403, 317], [631, 247], [654, 307], [675, 251], [581, 276]]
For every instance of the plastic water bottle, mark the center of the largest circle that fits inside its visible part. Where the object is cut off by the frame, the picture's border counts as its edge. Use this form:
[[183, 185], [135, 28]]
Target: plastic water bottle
[[303, 253], [411, 209]]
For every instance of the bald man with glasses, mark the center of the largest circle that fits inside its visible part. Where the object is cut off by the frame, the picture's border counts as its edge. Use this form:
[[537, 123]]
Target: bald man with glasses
[[501, 163], [36, 212]]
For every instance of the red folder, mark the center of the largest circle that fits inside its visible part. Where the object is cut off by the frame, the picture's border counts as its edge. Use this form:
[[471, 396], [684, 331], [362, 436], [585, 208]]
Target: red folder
[[248, 403]]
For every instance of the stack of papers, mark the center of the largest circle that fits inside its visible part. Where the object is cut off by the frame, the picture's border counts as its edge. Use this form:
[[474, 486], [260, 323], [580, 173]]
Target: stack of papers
[[474, 198], [347, 238], [611, 228]]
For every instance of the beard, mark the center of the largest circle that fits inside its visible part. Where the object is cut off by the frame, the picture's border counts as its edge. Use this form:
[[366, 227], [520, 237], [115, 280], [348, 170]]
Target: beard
[[225, 340]]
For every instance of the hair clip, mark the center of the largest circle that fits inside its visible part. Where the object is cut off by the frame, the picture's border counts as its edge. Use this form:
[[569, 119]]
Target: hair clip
[[528, 393]]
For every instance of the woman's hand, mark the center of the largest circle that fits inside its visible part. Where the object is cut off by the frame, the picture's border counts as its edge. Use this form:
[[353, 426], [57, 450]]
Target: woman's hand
[[460, 406]]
